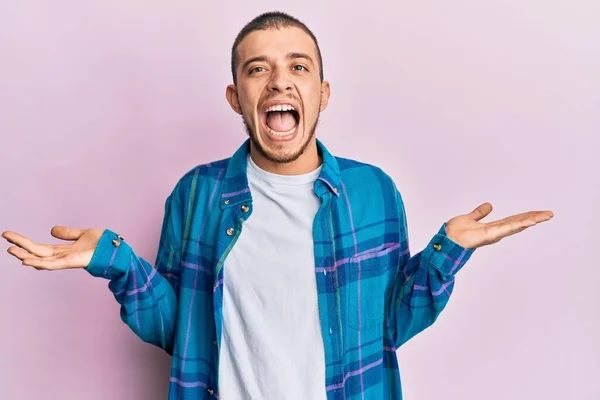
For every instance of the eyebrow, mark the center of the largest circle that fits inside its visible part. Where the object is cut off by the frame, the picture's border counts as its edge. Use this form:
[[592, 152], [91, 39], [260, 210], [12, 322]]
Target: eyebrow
[[289, 56], [293, 56]]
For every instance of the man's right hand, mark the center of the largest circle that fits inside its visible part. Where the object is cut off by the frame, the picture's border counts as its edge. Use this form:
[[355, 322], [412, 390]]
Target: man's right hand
[[60, 256]]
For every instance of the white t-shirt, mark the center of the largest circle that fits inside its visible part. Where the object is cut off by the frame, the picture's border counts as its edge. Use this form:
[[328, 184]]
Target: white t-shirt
[[272, 346]]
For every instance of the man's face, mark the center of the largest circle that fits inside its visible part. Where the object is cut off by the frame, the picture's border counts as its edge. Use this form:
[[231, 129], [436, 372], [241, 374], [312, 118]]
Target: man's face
[[279, 92]]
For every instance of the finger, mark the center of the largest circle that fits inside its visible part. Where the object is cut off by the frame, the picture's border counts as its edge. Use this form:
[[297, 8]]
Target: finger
[[541, 216], [41, 250], [481, 211], [65, 260], [66, 233], [19, 253], [538, 216], [512, 226], [47, 263]]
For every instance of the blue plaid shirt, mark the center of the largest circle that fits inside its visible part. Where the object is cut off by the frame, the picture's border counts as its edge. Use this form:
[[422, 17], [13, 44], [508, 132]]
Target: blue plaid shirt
[[373, 295]]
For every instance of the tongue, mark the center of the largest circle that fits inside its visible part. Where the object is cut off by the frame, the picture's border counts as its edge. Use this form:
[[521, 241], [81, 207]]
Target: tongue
[[281, 121]]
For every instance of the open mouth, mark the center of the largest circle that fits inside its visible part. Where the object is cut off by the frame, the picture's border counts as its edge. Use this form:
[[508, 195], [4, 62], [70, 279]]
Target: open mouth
[[281, 120]]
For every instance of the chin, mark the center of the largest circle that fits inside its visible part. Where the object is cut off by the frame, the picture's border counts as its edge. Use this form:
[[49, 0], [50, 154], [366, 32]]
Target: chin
[[280, 150]]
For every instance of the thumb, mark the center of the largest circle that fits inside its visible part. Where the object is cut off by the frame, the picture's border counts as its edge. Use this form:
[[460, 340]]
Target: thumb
[[481, 211], [66, 233]]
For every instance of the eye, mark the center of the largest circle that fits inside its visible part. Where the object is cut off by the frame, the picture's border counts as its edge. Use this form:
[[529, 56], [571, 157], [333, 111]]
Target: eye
[[299, 67], [256, 69]]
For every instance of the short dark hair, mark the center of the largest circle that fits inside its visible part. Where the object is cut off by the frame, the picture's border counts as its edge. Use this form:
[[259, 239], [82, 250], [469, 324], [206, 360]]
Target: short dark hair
[[270, 20]]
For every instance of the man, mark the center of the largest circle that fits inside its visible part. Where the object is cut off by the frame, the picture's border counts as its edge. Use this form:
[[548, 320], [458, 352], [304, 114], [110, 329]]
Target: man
[[282, 272]]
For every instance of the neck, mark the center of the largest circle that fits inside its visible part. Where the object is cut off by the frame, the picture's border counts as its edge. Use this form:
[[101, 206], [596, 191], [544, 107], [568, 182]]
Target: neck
[[306, 163]]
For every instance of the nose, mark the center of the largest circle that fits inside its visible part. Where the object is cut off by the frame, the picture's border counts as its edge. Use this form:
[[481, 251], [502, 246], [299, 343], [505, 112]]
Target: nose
[[280, 81]]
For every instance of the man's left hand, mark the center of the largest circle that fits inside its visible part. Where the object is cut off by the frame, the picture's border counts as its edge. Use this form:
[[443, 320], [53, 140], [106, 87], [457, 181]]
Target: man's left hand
[[467, 231]]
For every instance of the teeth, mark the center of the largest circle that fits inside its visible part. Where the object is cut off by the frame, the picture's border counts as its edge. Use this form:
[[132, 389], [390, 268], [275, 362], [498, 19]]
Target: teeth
[[275, 133], [281, 107]]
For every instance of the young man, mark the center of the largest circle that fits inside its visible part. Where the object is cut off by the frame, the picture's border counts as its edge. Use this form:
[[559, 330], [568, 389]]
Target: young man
[[282, 272]]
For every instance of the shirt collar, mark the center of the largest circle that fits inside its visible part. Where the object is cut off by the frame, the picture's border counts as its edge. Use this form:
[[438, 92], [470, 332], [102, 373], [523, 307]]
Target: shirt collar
[[235, 183]]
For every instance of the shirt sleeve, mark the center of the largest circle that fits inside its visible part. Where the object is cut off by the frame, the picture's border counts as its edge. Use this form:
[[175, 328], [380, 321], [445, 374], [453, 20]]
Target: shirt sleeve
[[147, 293], [424, 281]]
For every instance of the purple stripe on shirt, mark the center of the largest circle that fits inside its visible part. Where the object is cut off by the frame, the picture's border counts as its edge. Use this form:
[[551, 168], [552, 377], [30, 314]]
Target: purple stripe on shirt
[[141, 289], [110, 263], [134, 292], [226, 195], [334, 266], [191, 384], [434, 292], [217, 284], [188, 384], [330, 185], [349, 374], [376, 252], [194, 266], [353, 259], [452, 259], [112, 257], [458, 262]]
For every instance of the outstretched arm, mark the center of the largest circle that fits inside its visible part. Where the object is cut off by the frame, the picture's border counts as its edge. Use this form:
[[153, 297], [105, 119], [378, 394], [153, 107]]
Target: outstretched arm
[[425, 281], [147, 294]]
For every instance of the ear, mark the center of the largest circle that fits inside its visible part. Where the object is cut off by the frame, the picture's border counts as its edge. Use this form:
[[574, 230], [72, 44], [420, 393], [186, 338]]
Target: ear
[[325, 94], [232, 97]]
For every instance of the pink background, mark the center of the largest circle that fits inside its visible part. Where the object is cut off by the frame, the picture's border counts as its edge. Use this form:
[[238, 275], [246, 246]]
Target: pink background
[[105, 104]]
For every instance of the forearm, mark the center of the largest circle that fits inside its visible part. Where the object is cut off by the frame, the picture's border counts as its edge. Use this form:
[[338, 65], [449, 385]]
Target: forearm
[[148, 301], [423, 286]]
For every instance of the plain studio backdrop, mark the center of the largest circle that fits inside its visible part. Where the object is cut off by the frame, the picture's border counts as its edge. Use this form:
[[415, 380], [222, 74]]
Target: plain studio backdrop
[[105, 104]]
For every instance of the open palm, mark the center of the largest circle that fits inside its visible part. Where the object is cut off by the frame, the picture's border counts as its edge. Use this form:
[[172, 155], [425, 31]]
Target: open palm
[[59, 256], [467, 231]]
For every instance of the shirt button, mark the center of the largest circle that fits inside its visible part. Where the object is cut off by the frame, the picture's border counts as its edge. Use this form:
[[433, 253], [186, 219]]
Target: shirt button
[[437, 247], [230, 231], [210, 391], [215, 343], [226, 201], [116, 243], [330, 331], [245, 208], [324, 272]]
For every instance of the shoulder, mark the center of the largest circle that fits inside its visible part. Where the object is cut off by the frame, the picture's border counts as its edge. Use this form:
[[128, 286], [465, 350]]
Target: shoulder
[[200, 177], [364, 176]]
